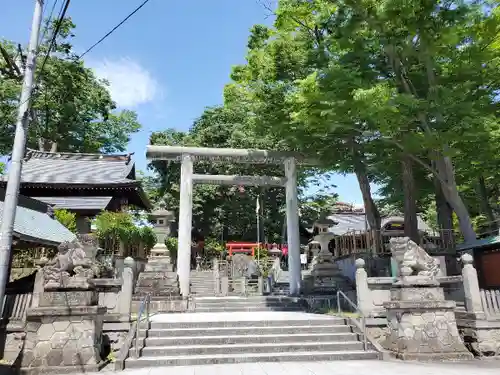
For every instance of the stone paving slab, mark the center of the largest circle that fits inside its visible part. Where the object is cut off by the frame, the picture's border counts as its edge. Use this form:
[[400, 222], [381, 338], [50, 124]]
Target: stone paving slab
[[475, 367]]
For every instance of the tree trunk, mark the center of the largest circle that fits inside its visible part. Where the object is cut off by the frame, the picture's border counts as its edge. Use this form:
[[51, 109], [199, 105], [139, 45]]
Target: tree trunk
[[371, 211], [444, 166], [446, 172], [444, 217], [485, 205], [41, 145], [410, 206], [53, 147]]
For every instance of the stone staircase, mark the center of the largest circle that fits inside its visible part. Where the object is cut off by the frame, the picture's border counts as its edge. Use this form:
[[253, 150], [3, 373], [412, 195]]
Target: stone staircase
[[202, 283], [199, 339], [281, 286], [160, 282], [251, 303]]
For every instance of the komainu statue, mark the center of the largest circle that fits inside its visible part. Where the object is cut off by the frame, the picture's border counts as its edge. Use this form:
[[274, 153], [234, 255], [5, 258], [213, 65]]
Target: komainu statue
[[70, 261], [408, 254]]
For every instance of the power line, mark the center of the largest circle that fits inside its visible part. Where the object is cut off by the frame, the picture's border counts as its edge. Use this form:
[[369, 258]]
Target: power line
[[114, 28], [60, 18], [46, 28]]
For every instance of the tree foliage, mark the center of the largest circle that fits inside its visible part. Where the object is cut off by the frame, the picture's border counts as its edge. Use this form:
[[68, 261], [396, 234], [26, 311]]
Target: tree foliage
[[66, 218], [402, 93], [71, 110]]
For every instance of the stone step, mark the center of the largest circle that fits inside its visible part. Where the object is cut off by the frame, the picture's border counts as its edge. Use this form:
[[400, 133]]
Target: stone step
[[331, 321], [248, 309], [253, 357], [335, 328], [253, 338], [273, 347], [252, 302], [159, 297], [251, 298]]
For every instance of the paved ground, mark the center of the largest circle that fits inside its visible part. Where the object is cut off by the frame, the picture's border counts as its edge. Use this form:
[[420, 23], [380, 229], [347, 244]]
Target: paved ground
[[329, 368]]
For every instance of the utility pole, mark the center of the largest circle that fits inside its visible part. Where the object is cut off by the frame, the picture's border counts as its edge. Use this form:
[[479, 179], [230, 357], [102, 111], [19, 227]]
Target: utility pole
[[14, 176]]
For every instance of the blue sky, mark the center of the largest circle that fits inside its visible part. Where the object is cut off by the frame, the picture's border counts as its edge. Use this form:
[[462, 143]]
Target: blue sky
[[168, 62]]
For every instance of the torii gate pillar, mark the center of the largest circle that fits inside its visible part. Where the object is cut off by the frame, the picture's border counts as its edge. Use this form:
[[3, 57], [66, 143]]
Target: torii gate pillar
[[292, 223]]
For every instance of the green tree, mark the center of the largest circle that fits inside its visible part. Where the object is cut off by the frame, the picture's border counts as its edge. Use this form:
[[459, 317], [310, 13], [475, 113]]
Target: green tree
[[360, 84], [71, 109], [317, 207], [66, 218]]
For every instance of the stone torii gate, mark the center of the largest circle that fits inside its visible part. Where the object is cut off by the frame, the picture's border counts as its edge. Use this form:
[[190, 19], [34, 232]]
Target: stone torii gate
[[188, 155]]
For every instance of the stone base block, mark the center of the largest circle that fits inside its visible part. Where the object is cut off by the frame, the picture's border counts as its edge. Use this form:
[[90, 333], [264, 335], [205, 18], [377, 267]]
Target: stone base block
[[481, 336], [68, 298], [63, 337], [421, 330], [62, 369]]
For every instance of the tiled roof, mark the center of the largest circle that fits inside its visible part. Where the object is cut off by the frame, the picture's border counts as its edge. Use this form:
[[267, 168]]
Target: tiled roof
[[77, 203], [33, 224], [69, 168], [348, 222]]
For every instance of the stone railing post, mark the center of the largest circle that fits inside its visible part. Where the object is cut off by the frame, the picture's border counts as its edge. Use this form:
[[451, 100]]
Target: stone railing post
[[224, 285], [260, 286], [243, 281], [125, 300], [216, 275], [365, 301], [37, 288], [472, 292]]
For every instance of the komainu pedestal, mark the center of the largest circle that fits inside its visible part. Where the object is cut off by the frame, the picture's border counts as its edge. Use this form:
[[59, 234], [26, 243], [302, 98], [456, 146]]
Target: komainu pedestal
[[64, 329], [421, 322]]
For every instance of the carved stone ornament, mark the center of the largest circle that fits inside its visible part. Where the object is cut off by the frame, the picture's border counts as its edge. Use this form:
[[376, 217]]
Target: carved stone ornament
[[71, 261], [409, 255]]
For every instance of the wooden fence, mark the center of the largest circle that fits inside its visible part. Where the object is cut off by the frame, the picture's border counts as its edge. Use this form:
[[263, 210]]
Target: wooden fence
[[361, 242], [491, 303]]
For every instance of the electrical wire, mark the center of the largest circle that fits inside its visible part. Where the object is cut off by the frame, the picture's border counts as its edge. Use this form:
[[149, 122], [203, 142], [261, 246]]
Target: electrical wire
[[60, 18], [113, 29], [47, 25]]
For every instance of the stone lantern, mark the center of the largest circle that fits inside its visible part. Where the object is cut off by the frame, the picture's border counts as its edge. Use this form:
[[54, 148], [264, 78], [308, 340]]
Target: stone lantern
[[162, 220], [324, 235]]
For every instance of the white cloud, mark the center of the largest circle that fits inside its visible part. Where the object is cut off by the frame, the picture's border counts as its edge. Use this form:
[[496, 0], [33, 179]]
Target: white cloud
[[130, 84]]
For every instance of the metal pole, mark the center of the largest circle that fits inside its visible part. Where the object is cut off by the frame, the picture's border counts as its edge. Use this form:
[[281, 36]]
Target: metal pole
[[14, 177]]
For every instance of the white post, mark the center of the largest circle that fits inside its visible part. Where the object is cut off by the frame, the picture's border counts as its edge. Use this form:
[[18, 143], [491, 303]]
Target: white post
[[473, 303], [185, 224], [363, 293], [292, 223]]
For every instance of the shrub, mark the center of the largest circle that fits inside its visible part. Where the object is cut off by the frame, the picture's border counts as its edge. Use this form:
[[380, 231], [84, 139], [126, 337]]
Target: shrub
[[148, 237], [171, 243], [66, 218]]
